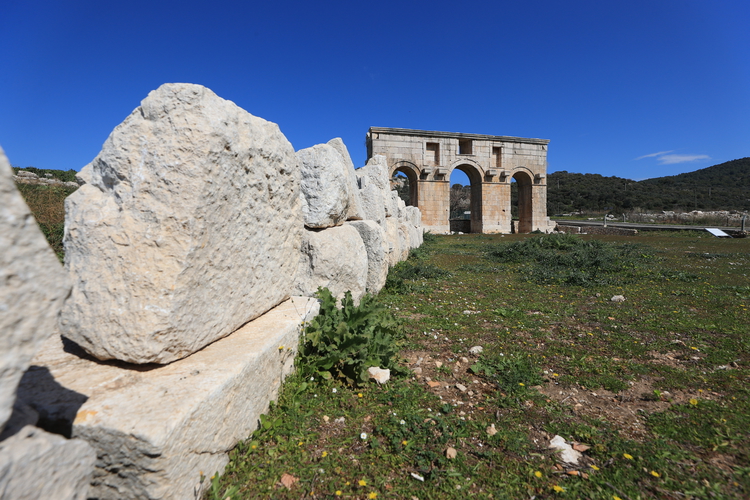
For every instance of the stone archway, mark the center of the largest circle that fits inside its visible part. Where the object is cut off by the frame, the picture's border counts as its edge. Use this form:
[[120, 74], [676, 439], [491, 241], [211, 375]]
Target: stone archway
[[428, 158], [524, 183], [475, 180], [411, 171]]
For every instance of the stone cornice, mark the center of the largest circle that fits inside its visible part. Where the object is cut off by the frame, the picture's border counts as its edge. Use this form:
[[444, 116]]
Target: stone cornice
[[455, 135]]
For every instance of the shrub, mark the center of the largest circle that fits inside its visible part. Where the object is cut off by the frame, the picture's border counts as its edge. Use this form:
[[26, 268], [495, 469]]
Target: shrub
[[570, 260], [343, 343]]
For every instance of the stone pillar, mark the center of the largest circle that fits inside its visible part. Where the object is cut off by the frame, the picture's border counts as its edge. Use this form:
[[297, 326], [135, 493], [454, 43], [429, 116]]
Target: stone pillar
[[496, 207], [434, 203], [539, 219]]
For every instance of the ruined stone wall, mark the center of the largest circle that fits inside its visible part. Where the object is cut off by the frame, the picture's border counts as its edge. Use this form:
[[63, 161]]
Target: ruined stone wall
[[198, 262]]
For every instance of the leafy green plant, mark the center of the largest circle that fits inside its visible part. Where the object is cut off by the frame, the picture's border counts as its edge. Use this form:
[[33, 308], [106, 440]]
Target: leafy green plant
[[343, 343]]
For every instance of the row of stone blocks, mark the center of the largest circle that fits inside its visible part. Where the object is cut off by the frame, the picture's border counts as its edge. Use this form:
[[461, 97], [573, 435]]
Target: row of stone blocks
[[193, 247]]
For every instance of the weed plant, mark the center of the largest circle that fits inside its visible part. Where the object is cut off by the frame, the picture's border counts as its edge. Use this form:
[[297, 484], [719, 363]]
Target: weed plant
[[342, 343]]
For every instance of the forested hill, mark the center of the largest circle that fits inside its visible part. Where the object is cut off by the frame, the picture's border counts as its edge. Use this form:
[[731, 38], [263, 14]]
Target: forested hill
[[722, 187]]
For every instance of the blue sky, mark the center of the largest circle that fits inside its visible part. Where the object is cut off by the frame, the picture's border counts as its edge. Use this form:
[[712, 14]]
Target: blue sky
[[635, 89]]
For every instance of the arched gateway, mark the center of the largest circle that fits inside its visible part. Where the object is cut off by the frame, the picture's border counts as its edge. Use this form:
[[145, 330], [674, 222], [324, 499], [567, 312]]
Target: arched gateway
[[490, 161]]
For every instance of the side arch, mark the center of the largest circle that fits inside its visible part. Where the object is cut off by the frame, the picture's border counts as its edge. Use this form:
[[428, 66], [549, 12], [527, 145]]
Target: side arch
[[524, 181], [412, 172]]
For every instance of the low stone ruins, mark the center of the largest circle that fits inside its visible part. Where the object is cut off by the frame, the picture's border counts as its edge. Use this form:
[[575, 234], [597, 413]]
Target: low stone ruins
[[193, 249]]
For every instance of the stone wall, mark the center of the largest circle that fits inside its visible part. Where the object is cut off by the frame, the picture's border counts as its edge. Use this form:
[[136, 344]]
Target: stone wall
[[193, 248]]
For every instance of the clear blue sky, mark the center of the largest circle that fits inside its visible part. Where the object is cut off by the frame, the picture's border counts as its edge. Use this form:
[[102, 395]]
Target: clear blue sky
[[636, 89]]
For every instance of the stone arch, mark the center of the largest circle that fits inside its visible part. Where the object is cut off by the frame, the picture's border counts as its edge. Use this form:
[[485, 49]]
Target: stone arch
[[524, 181], [475, 174], [412, 172]]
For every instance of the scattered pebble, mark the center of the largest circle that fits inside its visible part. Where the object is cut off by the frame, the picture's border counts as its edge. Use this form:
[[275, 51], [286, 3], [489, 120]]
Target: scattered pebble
[[618, 298], [461, 387], [451, 453], [380, 375], [491, 430], [476, 350]]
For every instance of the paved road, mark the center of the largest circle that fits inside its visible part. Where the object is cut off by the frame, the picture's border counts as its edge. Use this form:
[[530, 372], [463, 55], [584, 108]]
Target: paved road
[[641, 227]]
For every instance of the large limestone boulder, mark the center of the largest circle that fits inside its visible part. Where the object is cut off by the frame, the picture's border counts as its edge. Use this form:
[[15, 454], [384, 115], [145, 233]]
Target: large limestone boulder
[[373, 236], [188, 225], [398, 206], [414, 216], [393, 240], [156, 431], [329, 189], [33, 285], [35, 464], [375, 189], [355, 204], [414, 227], [335, 258], [403, 240]]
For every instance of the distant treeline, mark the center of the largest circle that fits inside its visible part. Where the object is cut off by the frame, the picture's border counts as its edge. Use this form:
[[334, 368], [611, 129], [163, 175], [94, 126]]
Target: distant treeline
[[722, 187]]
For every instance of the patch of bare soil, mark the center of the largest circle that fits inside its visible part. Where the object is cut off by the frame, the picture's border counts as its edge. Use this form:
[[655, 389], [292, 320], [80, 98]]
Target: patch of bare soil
[[626, 410]]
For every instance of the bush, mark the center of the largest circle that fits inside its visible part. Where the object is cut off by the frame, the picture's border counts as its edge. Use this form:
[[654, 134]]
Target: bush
[[570, 260], [343, 343]]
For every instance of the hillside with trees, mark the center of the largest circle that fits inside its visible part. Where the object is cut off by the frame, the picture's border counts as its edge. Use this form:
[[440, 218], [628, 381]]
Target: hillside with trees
[[721, 187]]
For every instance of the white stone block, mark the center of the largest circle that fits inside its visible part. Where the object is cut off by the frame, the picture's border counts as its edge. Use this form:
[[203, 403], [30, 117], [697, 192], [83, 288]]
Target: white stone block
[[156, 429]]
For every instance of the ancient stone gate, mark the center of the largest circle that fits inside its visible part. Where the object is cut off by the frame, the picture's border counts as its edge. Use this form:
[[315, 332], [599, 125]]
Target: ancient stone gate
[[428, 158]]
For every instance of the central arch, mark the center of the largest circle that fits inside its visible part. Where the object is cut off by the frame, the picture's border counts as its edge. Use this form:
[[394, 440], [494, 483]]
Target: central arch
[[475, 205]]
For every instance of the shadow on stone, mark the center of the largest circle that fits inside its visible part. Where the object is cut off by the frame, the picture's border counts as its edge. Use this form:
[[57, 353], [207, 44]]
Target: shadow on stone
[[72, 348], [56, 405]]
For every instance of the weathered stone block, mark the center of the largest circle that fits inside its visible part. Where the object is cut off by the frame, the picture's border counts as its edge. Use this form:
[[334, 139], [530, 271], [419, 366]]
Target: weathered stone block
[[373, 237], [188, 226], [156, 429], [335, 258], [355, 204], [35, 464], [329, 195], [34, 285]]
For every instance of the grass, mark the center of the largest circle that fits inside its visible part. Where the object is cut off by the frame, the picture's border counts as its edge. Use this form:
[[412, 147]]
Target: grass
[[656, 386], [47, 205]]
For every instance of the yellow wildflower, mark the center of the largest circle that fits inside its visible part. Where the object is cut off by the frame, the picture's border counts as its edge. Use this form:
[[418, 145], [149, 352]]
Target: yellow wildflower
[[372, 495], [362, 482], [538, 474], [404, 442], [558, 489], [628, 456], [655, 474], [615, 497], [324, 454], [359, 395], [595, 467], [693, 401], [338, 493]]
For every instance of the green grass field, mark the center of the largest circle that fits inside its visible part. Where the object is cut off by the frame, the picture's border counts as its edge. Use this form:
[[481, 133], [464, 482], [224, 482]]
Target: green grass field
[[653, 390]]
